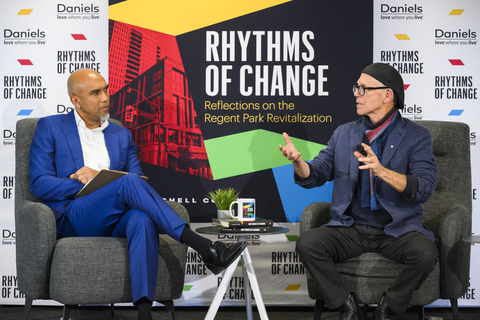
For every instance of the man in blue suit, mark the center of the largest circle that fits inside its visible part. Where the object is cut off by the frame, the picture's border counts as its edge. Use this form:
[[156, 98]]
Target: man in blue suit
[[68, 150], [383, 169]]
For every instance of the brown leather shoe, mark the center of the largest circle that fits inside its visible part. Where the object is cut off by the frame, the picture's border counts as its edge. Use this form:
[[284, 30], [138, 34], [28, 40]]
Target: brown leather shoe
[[222, 255], [383, 311], [350, 310]]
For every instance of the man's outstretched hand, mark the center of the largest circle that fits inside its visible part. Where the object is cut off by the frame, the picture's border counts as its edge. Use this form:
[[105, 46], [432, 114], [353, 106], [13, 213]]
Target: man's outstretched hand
[[301, 168], [289, 151]]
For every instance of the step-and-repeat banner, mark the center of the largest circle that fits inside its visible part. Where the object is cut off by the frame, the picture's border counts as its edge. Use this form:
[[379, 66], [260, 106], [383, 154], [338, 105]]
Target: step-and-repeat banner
[[207, 89], [434, 45], [43, 42]]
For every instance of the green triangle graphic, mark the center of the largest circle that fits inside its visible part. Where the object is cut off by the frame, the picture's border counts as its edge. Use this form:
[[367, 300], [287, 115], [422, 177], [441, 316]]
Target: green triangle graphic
[[252, 151]]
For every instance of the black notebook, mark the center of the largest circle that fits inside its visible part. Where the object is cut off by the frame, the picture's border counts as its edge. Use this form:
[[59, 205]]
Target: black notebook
[[102, 178]]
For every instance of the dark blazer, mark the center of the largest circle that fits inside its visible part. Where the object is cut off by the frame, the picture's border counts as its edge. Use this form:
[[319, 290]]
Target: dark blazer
[[408, 150], [56, 153]]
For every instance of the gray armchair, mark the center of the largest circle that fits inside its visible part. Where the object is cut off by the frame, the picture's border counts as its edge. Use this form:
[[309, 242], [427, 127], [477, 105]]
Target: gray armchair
[[83, 270], [448, 214]]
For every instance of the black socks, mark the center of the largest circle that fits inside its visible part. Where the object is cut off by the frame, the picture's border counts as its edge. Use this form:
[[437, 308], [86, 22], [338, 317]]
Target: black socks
[[144, 309], [196, 242]]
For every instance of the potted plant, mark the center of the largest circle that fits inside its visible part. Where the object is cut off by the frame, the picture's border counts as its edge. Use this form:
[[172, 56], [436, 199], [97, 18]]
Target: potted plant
[[222, 199]]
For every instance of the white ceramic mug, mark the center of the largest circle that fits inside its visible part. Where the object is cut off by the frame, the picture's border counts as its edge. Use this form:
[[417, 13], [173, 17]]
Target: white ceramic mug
[[245, 209]]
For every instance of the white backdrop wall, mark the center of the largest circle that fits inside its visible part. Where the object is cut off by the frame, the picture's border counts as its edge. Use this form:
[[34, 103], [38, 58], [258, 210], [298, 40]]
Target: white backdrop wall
[[433, 44], [43, 42]]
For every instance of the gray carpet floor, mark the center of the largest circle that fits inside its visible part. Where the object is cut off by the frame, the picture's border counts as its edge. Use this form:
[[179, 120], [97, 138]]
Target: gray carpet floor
[[197, 313]]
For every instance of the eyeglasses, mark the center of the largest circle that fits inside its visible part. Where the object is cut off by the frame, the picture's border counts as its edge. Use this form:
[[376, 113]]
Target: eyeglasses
[[361, 90]]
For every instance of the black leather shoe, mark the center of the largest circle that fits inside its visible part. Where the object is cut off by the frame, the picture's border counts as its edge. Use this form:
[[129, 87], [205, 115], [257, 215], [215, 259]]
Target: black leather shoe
[[350, 310], [223, 254], [383, 311]]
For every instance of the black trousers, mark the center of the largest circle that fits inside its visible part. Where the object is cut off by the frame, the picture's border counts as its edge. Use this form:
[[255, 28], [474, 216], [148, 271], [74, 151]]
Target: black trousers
[[320, 248]]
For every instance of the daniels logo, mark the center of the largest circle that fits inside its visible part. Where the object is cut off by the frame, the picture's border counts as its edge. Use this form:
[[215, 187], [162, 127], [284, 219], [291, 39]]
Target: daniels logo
[[7, 34], [412, 112], [8, 236], [8, 137], [473, 138], [63, 109], [61, 8], [81, 12], [457, 37], [24, 37], [406, 12]]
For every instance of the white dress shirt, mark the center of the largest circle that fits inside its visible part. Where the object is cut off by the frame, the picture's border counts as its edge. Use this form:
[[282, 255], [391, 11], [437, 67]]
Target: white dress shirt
[[94, 148]]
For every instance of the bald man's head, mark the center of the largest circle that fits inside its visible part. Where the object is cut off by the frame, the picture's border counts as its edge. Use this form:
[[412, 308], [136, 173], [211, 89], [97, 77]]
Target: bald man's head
[[88, 92], [76, 80]]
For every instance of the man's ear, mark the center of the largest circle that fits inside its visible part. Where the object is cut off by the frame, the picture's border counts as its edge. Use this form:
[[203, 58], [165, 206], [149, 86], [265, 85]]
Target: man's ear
[[75, 101], [388, 96]]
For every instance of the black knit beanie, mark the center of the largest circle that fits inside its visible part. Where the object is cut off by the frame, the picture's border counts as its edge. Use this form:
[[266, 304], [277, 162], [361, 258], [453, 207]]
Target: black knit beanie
[[390, 77]]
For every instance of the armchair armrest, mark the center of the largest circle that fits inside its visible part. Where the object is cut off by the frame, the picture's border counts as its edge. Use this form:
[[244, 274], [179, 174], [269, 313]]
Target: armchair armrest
[[36, 235], [315, 215], [454, 253]]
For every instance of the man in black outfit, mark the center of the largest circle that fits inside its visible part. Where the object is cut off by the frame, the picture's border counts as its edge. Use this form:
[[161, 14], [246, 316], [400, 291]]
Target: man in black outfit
[[377, 197]]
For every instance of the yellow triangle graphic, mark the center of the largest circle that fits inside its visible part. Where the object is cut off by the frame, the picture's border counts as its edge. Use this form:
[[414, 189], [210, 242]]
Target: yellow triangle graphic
[[181, 16]]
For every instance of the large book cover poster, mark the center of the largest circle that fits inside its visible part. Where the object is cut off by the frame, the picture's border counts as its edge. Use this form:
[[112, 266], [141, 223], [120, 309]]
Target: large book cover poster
[[207, 89]]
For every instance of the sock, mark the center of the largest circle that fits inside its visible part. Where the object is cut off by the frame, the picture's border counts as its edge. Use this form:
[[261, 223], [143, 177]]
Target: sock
[[144, 309], [196, 242]]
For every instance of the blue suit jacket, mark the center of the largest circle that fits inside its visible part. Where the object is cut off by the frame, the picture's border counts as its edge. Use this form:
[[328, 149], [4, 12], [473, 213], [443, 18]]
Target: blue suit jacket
[[56, 153], [408, 150]]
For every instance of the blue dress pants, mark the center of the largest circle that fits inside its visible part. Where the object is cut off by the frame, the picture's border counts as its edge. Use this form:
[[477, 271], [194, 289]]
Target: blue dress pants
[[131, 209]]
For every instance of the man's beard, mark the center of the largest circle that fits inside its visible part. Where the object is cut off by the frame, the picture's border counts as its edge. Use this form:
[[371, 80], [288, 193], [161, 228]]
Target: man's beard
[[105, 117]]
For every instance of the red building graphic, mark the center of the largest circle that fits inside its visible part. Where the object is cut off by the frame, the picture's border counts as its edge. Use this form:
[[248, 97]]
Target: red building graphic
[[149, 95]]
